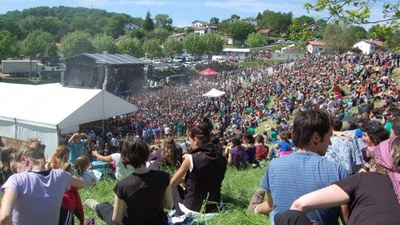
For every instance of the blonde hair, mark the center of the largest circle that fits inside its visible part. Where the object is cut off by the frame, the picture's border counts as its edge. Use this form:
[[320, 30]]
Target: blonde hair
[[34, 155]]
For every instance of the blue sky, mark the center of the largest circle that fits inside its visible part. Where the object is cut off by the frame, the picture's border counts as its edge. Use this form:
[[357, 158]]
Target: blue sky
[[183, 12]]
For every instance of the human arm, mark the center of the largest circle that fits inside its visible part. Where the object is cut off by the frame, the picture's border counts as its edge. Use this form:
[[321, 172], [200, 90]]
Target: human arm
[[178, 176], [7, 205], [265, 207], [119, 210], [230, 159], [168, 200], [101, 157], [327, 197], [77, 182]]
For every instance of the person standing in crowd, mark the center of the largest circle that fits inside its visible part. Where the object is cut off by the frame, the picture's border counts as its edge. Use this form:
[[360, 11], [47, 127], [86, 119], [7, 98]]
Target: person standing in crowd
[[202, 172], [356, 191], [303, 171], [141, 197], [77, 146], [32, 181]]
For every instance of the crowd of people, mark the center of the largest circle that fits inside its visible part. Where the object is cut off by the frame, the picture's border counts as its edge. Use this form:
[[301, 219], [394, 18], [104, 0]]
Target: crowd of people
[[343, 139]]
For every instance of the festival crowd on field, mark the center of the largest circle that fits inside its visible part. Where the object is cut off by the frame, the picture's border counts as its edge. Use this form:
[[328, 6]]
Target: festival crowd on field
[[324, 125]]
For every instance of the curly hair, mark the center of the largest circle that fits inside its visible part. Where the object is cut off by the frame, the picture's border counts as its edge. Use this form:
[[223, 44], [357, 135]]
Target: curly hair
[[60, 157]]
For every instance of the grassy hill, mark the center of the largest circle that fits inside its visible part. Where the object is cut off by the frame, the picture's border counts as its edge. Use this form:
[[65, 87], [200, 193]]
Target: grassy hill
[[237, 188]]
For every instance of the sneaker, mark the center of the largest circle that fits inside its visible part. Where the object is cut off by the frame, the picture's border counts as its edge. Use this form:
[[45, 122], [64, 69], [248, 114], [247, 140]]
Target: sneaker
[[91, 203], [256, 199]]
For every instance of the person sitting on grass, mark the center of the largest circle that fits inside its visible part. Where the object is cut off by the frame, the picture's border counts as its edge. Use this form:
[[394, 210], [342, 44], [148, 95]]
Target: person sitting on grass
[[121, 170], [82, 166], [262, 150], [303, 171], [236, 156], [5, 168], [356, 190], [202, 172], [33, 194], [139, 198], [71, 202]]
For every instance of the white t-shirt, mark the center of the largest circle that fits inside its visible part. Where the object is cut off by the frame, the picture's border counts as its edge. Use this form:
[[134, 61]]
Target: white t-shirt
[[120, 170]]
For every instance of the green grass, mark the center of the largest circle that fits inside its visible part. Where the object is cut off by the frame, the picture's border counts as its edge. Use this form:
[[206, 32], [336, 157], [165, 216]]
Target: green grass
[[237, 188]]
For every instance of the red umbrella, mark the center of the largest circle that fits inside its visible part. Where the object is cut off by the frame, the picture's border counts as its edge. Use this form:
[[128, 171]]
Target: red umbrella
[[208, 72]]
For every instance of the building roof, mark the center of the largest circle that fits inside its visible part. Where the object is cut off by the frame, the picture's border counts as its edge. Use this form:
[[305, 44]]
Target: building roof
[[316, 43], [375, 42], [112, 59], [264, 31], [199, 21]]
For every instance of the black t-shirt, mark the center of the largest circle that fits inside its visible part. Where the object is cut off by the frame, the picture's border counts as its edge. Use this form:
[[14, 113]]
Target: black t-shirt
[[144, 197], [372, 199]]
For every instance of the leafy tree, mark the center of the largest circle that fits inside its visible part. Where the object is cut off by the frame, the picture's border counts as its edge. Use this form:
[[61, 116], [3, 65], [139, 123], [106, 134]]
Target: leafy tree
[[160, 34], [214, 21], [102, 43], [38, 44], [302, 28], [76, 43], [130, 46], [255, 40], [393, 40], [8, 45], [194, 44], [115, 25], [148, 22], [152, 48], [240, 30], [380, 32], [213, 43], [11, 26], [163, 21], [172, 47], [235, 17], [339, 37], [358, 32], [276, 21], [140, 34], [357, 11]]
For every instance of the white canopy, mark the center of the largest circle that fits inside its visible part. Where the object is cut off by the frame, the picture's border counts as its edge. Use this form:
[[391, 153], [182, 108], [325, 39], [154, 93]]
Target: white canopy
[[45, 111], [214, 93]]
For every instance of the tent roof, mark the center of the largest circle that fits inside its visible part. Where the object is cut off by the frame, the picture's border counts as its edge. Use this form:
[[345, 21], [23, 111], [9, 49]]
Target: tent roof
[[112, 59], [208, 72], [214, 93], [55, 106]]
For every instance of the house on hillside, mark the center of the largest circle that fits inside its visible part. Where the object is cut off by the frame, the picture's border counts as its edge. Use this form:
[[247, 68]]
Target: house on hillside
[[315, 47], [178, 36], [131, 26], [201, 28], [369, 46], [116, 73]]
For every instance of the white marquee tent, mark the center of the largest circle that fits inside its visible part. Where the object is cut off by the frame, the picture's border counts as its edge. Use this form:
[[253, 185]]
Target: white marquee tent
[[46, 111], [214, 93]]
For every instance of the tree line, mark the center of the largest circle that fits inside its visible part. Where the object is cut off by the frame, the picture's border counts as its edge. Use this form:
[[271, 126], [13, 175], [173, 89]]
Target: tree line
[[34, 33]]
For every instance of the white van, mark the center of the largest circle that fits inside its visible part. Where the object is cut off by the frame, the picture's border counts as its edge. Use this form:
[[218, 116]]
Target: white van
[[218, 58]]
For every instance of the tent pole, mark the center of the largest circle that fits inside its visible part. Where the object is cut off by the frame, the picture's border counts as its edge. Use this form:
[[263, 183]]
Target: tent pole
[[102, 125]]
